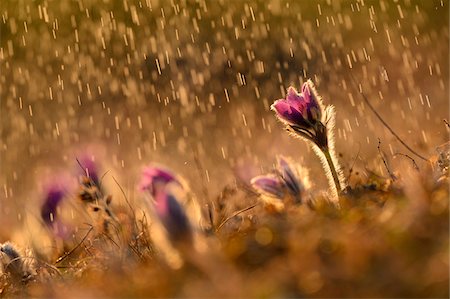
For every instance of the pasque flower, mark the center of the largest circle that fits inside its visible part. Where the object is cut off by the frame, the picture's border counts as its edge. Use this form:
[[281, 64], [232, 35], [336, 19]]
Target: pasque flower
[[55, 190], [291, 179], [304, 115], [173, 217], [171, 202], [287, 183], [155, 177], [299, 109]]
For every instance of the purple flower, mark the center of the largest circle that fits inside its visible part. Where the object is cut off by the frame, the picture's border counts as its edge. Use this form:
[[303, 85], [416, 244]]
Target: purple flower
[[269, 185], [302, 112], [299, 109], [155, 178], [173, 217], [53, 197], [290, 179], [287, 183]]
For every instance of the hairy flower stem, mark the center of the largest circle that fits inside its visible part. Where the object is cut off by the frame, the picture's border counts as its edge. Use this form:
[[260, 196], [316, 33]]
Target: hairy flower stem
[[327, 155]]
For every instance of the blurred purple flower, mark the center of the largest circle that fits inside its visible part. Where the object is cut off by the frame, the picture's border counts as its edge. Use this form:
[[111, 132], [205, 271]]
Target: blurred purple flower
[[154, 178], [173, 217], [287, 183], [269, 185], [53, 197]]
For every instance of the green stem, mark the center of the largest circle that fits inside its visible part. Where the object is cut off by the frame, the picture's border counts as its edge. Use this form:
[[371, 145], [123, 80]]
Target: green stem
[[326, 152]]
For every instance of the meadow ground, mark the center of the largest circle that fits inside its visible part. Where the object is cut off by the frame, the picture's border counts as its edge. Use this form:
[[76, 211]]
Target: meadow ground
[[188, 85]]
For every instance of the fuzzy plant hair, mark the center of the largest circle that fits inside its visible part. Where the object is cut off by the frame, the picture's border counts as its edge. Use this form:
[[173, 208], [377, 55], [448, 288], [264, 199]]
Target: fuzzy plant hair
[[93, 196], [330, 158]]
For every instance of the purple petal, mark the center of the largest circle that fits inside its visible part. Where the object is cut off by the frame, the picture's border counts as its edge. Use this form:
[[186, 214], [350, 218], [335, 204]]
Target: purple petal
[[289, 177], [306, 92], [153, 177], [311, 100], [269, 185], [53, 197], [292, 95], [160, 173], [172, 216], [288, 113], [295, 100]]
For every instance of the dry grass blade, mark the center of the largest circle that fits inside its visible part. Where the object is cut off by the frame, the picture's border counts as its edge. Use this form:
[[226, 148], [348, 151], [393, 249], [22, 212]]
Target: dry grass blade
[[384, 161], [62, 258], [384, 122], [234, 215], [416, 167]]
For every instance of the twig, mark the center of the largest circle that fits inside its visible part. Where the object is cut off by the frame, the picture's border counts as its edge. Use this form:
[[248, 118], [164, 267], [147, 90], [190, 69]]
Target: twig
[[117, 228], [234, 215], [384, 123], [409, 157], [384, 161], [88, 248], [228, 190], [446, 123], [103, 175], [371, 172], [144, 224], [127, 201], [36, 259], [111, 239], [132, 212], [81, 165], [246, 188], [135, 250], [60, 259], [350, 171], [123, 193]]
